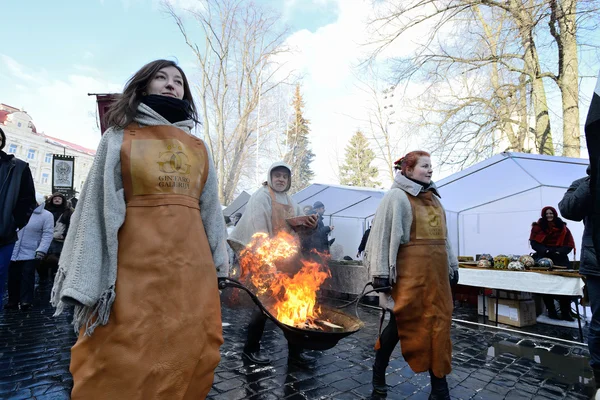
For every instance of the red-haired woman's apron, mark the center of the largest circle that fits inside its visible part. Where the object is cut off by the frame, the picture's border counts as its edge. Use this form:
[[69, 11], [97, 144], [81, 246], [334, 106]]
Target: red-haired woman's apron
[[422, 295]]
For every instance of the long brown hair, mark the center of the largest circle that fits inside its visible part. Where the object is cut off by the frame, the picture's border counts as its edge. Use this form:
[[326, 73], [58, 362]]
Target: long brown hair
[[122, 112]]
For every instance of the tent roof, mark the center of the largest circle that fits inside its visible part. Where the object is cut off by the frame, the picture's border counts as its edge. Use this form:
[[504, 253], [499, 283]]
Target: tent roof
[[505, 175], [237, 205], [342, 201]]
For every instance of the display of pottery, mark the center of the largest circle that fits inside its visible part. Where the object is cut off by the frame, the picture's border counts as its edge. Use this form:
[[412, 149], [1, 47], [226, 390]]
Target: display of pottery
[[501, 262], [527, 261], [487, 257], [544, 263], [516, 266]]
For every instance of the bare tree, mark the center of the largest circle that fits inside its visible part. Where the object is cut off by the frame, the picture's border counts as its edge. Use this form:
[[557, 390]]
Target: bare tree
[[237, 59], [484, 84]]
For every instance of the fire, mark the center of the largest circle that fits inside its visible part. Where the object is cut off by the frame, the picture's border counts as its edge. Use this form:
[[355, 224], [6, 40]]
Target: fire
[[295, 295]]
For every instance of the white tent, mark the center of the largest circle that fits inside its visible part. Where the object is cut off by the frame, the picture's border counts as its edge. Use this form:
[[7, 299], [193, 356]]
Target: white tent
[[491, 205], [349, 209], [237, 205]]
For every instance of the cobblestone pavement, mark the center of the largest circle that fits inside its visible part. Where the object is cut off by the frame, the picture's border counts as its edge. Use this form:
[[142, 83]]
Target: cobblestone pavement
[[488, 364]]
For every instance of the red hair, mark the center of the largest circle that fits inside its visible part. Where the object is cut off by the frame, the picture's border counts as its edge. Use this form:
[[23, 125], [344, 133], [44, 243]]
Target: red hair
[[410, 160]]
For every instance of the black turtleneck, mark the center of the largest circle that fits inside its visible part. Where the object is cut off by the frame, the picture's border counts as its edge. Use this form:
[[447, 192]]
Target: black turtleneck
[[425, 185], [172, 109]]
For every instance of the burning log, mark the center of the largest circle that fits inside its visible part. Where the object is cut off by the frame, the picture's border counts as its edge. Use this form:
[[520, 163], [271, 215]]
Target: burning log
[[329, 326]]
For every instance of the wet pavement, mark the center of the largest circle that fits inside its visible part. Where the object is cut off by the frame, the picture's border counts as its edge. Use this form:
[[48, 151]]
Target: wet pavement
[[488, 364]]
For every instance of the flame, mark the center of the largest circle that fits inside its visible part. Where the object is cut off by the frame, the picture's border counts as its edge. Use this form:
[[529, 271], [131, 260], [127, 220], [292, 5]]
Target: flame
[[296, 295]]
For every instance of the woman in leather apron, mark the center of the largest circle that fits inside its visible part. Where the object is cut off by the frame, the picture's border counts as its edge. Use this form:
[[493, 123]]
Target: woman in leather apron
[[155, 333], [410, 228]]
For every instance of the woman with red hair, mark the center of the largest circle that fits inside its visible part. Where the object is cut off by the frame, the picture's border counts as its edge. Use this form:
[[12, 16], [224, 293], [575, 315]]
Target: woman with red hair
[[550, 238], [408, 249]]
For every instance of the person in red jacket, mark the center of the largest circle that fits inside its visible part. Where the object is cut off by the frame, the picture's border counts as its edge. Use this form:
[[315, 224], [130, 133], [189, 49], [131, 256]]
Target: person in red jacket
[[550, 238]]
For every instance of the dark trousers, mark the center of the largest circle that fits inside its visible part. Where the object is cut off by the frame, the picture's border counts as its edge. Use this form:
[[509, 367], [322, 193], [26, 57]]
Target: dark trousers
[[593, 288], [48, 266], [21, 280], [563, 301], [256, 329], [388, 341], [5, 254]]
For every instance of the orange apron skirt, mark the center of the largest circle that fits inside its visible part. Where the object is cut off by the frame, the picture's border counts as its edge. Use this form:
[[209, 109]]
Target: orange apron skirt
[[422, 297], [164, 332]]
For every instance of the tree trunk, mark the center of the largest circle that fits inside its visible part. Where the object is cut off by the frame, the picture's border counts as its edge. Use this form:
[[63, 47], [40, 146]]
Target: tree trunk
[[568, 83]]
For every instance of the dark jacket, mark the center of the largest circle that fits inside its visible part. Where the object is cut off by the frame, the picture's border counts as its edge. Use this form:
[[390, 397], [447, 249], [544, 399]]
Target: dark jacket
[[320, 239], [576, 205], [17, 197], [363, 242]]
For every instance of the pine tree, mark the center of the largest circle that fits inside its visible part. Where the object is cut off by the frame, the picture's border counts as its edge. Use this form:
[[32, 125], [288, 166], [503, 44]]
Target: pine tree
[[357, 169], [299, 155]]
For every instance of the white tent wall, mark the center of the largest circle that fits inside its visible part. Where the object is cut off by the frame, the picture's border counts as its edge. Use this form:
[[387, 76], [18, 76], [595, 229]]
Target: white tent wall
[[347, 233], [490, 207], [452, 226]]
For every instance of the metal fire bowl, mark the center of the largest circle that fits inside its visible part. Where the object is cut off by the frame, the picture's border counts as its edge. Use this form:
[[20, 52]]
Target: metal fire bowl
[[306, 338]]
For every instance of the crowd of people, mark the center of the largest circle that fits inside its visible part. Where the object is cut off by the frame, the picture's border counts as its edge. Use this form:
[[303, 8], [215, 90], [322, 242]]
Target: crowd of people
[[140, 255]]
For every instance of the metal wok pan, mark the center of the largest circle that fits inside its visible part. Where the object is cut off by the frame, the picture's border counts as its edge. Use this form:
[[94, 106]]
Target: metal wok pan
[[308, 339]]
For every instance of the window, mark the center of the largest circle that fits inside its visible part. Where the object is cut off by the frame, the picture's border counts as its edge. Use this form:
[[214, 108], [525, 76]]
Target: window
[[48, 158], [31, 154], [33, 171], [12, 148], [45, 177], [19, 124]]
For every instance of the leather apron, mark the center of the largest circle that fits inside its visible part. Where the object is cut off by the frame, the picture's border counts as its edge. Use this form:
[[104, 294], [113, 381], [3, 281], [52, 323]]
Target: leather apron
[[164, 332], [422, 296]]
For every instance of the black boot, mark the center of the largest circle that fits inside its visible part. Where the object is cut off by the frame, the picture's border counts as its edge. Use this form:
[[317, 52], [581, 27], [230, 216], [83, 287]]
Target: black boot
[[298, 358], [255, 357], [549, 303], [379, 385], [565, 309], [439, 388]]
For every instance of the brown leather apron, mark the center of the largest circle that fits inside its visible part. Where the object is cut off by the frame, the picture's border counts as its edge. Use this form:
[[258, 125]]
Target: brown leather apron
[[163, 336], [422, 296]]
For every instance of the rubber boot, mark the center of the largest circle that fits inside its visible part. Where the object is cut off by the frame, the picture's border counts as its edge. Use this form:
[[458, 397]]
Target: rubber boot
[[439, 388], [379, 385]]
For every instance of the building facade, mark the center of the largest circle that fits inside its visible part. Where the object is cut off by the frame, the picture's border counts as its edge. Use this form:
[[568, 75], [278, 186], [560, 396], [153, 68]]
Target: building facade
[[36, 148]]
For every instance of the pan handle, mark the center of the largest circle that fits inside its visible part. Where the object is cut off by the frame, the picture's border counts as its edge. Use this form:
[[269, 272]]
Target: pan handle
[[227, 282]]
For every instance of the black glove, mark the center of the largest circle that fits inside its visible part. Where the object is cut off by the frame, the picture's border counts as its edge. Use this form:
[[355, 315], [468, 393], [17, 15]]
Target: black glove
[[381, 282], [39, 255], [454, 278]]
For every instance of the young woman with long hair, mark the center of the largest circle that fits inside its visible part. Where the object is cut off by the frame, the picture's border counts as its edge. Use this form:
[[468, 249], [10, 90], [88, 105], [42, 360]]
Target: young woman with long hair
[[146, 244]]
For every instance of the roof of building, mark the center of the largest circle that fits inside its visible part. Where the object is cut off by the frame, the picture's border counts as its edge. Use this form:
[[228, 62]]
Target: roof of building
[[72, 146], [6, 110], [3, 116]]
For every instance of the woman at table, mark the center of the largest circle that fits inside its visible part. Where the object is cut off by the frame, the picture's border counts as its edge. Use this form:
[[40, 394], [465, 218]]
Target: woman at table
[[408, 249], [146, 244], [550, 238]]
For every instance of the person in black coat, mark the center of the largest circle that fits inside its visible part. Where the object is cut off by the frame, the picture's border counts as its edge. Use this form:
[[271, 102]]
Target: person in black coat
[[17, 202], [320, 239], [363, 242], [576, 205]]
